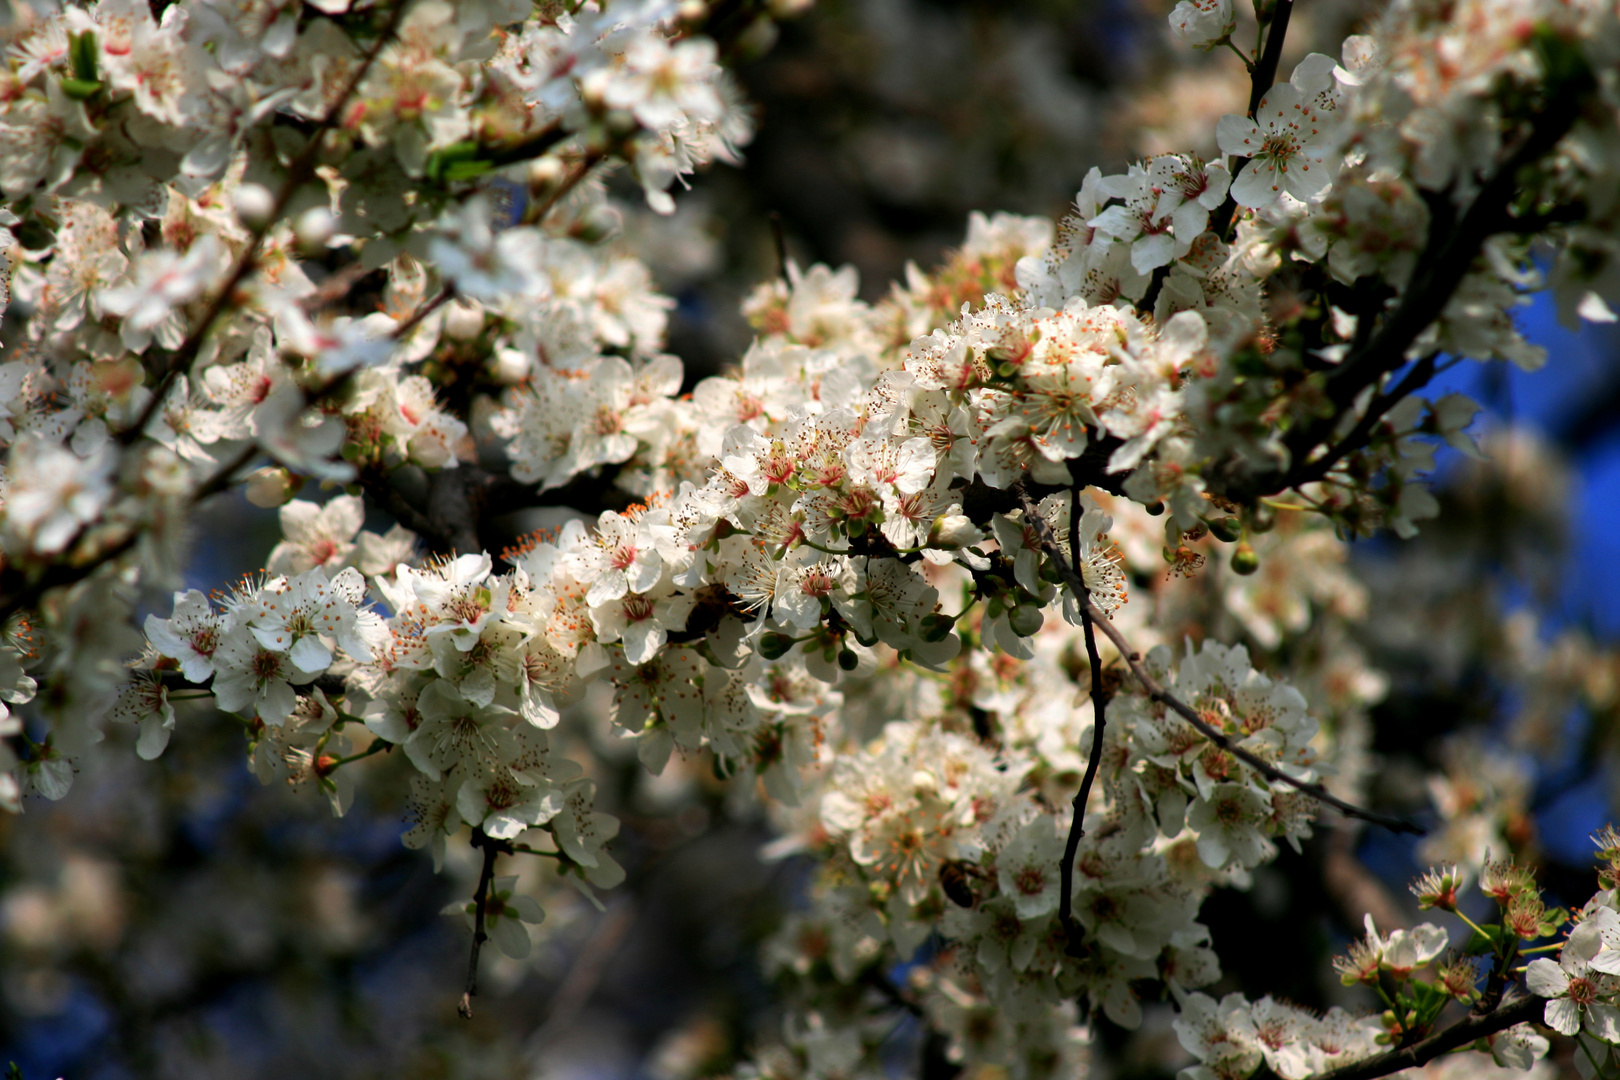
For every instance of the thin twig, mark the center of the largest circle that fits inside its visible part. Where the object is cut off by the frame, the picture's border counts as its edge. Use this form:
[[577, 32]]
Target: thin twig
[[336, 286], [1446, 260], [422, 312], [538, 212], [585, 973], [1219, 738], [60, 575], [480, 902], [1077, 820], [1416, 379], [1187, 713]]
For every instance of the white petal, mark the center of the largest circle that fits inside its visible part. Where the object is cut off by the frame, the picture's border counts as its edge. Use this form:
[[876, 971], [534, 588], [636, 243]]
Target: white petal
[[1563, 1016]]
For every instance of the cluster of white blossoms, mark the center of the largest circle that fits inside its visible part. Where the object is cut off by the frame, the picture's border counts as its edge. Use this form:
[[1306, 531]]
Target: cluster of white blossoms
[[1417, 976], [848, 583]]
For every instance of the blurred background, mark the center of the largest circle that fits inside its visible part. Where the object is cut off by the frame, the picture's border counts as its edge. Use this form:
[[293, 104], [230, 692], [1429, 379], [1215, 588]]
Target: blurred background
[[177, 919]]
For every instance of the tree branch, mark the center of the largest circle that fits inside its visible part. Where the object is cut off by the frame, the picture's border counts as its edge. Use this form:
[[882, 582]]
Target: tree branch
[[1186, 712], [1099, 702], [1516, 1010], [480, 902], [1361, 434], [1446, 260], [1265, 70], [1261, 75]]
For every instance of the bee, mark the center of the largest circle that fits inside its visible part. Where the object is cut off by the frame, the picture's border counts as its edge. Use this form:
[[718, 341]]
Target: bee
[[955, 876]]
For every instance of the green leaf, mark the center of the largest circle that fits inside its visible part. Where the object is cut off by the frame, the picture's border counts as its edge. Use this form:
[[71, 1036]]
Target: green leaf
[[1481, 944]]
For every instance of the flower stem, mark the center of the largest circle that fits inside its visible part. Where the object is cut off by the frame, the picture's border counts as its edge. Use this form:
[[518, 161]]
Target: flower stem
[[380, 746]]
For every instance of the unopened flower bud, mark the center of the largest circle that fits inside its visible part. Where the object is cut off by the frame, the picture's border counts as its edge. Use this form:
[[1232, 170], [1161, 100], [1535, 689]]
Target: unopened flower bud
[[848, 660], [596, 224], [1026, 620], [1244, 560], [270, 487], [1225, 529], [463, 319], [253, 204], [774, 646], [314, 228], [544, 172], [953, 531], [509, 366]]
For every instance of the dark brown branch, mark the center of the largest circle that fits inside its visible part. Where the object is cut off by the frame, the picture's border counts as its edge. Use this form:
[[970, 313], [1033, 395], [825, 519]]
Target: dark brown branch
[[1261, 76], [526, 148], [1186, 712], [480, 903], [1265, 70], [1516, 1010], [1446, 260], [1099, 702], [1361, 434], [57, 575]]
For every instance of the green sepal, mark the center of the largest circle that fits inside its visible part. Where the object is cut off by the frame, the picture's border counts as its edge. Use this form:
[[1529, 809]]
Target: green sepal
[[458, 161], [774, 646], [1426, 999], [80, 89], [83, 56]]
